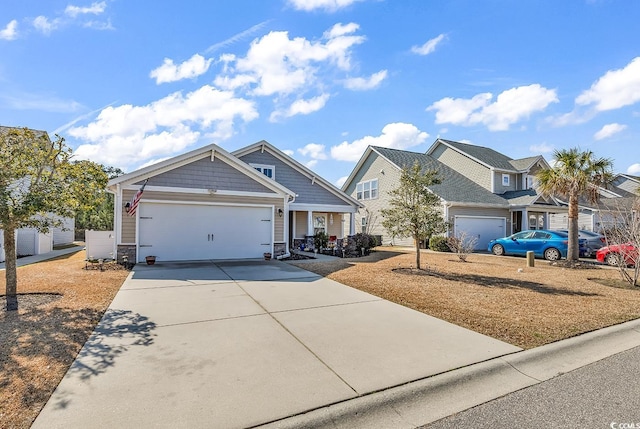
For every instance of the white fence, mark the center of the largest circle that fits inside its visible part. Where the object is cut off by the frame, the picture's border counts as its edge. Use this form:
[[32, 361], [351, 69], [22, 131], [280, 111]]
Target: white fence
[[31, 242], [99, 244]]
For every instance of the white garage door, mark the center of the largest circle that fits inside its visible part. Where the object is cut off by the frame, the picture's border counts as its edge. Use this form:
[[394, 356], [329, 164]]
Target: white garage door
[[188, 232], [483, 228]]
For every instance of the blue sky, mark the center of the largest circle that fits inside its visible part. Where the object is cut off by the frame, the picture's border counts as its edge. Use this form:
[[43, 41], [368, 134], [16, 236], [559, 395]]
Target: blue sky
[[128, 83]]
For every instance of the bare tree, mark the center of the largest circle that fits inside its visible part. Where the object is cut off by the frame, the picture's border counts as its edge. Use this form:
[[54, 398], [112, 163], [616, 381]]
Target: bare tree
[[462, 244], [622, 231]]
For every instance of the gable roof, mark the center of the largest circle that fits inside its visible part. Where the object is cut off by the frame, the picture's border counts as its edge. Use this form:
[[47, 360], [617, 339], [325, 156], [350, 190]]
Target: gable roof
[[454, 187], [525, 164], [6, 130], [264, 145], [484, 155], [212, 150]]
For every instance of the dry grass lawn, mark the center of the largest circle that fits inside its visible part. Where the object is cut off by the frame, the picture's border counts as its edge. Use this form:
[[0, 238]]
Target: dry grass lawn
[[39, 342], [488, 294]]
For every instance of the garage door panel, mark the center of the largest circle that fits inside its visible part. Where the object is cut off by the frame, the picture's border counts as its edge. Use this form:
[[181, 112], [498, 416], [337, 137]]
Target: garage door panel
[[174, 232], [484, 229]]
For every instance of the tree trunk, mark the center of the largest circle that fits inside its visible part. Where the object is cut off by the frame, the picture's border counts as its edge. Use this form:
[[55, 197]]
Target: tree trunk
[[417, 242], [10, 268], [573, 252]]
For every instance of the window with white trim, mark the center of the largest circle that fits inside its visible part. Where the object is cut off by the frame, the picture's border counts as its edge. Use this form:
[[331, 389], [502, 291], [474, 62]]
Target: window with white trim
[[364, 225], [505, 180], [267, 170], [367, 190]]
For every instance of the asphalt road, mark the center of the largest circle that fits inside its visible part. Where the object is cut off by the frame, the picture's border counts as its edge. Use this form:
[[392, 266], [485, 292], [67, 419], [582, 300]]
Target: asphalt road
[[605, 394]]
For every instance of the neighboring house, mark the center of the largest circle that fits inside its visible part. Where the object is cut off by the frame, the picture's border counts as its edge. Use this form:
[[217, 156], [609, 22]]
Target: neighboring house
[[619, 195], [484, 193], [31, 242], [211, 204]]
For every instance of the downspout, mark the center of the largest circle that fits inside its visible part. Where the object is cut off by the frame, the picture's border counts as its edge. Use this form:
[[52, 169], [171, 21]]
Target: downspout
[[287, 253], [117, 213]]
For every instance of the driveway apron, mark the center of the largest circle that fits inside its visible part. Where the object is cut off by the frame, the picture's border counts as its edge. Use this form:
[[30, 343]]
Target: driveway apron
[[234, 344]]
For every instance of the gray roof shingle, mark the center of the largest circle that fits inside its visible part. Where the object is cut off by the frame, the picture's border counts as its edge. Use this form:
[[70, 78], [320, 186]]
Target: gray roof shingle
[[483, 154], [454, 187]]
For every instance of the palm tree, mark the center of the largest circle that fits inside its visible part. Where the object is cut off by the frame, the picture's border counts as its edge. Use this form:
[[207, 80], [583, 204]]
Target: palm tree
[[575, 174]]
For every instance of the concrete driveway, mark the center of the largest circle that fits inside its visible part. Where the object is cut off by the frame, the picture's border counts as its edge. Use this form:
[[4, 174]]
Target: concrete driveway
[[242, 343]]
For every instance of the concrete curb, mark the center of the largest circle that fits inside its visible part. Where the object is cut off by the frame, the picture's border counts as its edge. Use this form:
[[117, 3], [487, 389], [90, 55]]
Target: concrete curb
[[425, 401]]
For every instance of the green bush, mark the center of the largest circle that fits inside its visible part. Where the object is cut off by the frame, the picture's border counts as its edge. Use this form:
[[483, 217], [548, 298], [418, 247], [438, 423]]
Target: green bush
[[439, 244], [320, 240], [365, 240]]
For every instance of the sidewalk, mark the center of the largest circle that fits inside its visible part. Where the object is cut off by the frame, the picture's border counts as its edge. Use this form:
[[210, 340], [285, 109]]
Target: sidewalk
[[425, 401], [44, 256]]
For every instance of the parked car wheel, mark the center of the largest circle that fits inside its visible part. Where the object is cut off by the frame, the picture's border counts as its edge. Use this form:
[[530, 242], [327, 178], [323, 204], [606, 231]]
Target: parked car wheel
[[612, 259], [498, 250], [552, 254]]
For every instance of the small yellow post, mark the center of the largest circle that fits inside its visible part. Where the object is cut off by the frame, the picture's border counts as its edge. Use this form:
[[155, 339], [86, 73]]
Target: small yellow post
[[531, 260]]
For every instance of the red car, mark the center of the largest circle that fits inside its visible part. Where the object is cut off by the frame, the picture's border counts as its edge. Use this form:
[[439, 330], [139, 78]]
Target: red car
[[614, 253]]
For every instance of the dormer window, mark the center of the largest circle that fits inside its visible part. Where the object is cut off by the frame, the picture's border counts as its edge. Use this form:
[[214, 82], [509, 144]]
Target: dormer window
[[505, 180], [267, 170]]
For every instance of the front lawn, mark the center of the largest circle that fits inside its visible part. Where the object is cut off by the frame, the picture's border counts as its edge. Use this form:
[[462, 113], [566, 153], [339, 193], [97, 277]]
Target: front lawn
[[497, 296], [39, 342]]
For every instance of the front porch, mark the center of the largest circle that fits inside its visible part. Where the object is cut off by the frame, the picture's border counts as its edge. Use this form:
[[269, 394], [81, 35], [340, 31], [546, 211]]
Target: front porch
[[305, 224]]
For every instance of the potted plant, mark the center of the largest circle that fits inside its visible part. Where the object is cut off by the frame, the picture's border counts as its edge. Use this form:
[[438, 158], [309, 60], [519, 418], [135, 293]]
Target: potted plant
[[320, 241], [150, 259], [267, 256]]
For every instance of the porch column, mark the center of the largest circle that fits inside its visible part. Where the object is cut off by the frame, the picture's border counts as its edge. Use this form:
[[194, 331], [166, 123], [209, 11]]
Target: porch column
[[309, 222], [352, 223]]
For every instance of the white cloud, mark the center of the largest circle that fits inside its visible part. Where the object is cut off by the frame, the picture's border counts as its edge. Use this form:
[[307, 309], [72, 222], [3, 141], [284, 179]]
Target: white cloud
[[126, 135], [397, 135], [541, 148], [311, 164], [616, 89], [363, 84], [237, 37], [326, 5], [314, 151], [429, 46], [509, 107], [39, 101], [99, 25], [44, 25], [341, 181], [288, 152], [10, 32], [95, 9], [301, 107], [609, 130], [634, 169], [278, 65], [189, 69]]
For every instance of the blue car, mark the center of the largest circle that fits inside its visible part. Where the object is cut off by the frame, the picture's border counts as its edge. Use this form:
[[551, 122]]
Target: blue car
[[547, 244]]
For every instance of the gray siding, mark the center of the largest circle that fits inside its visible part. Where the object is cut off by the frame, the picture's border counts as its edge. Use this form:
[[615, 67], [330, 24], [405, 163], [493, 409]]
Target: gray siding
[[387, 181], [464, 165], [292, 179], [513, 182], [204, 174], [129, 222]]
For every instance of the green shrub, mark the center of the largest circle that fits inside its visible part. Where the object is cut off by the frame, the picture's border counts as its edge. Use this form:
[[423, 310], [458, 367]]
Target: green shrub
[[365, 240], [320, 240], [439, 244]]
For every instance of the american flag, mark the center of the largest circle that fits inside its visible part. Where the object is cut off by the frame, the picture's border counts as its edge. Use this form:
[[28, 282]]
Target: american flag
[[132, 205]]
